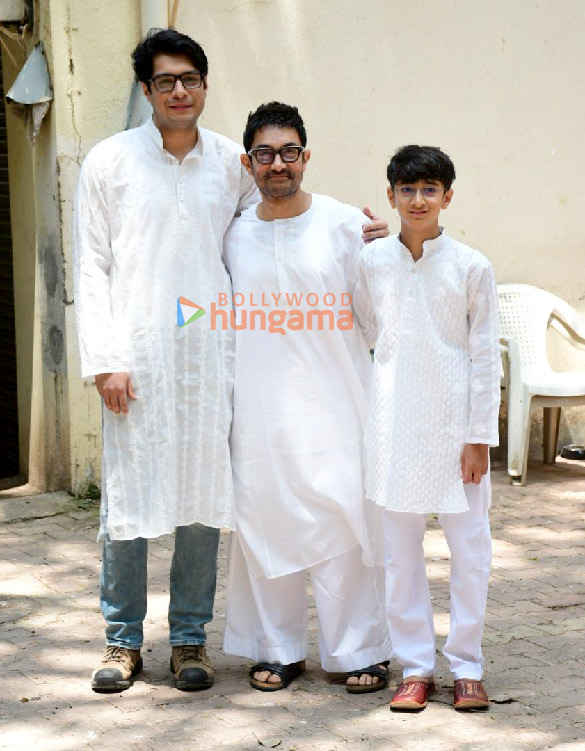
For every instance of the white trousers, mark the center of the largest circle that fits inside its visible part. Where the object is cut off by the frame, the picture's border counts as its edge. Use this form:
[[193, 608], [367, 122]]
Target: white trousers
[[408, 600], [266, 619]]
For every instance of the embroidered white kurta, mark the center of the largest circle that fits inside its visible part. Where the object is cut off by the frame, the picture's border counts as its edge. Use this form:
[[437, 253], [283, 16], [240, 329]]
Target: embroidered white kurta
[[300, 398], [149, 230], [436, 383]]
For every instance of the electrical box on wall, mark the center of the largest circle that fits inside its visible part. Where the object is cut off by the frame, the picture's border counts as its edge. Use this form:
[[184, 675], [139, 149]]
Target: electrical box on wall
[[12, 11]]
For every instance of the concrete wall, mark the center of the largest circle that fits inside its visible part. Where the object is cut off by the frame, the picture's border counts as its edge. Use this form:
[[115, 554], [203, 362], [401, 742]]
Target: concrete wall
[[38, 301], [497, 84], [22, 207], [87, 48], [90, 48]]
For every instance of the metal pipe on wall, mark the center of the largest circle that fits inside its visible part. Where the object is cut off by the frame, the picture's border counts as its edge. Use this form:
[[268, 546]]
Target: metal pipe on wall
[[173, 12], [154, 14], [157, 14]]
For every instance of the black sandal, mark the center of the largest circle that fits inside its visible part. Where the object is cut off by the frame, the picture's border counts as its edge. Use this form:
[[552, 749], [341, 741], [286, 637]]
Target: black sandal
[[286, 673], [376, 672]]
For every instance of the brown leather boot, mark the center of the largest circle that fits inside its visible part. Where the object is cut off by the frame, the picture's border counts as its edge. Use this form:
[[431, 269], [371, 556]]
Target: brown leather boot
[[192, 667], [117, 667]]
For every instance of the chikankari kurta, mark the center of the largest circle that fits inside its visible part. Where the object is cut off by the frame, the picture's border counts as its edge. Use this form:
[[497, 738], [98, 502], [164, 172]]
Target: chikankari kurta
[[436, 370], [300, 396], [149, 230]]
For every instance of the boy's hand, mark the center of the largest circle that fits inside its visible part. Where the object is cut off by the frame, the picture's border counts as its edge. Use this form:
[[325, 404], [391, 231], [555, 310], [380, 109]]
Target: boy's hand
[[115, 389], [375, 228], [474, 462]]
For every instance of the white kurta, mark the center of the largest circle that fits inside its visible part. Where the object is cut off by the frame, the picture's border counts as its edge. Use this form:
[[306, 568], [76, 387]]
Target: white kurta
[[300, 398], [147, 231], [436, 379]]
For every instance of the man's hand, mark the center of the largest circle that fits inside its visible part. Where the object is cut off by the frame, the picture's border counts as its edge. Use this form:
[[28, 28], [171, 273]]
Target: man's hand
[[376, 227], [474, 462], [115, 389]]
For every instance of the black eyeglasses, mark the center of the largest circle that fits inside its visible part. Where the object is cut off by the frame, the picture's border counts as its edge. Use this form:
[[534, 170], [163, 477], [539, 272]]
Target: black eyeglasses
[[167, 81], [266, 155], [428, 191]]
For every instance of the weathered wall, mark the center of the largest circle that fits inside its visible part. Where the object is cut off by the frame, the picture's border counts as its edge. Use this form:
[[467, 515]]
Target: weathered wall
[[90, 44], [22, 208], [496, 84], [87, 47], [92, 79], [38, 282]]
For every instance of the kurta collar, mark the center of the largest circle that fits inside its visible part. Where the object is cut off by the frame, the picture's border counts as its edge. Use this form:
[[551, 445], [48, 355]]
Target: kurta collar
[[290, 221], [429, 246], [154, 133], [435, 243], [299, 219]]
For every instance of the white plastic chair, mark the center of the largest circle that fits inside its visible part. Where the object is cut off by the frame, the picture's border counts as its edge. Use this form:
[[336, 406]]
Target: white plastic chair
[[529, 382]]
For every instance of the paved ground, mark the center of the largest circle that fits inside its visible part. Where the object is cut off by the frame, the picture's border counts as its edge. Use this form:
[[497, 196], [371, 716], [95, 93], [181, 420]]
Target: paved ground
[[52, 636]]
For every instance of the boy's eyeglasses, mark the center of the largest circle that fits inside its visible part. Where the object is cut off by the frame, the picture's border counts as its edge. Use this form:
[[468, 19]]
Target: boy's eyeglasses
[[265, 155], [407, 191], [167, 81]]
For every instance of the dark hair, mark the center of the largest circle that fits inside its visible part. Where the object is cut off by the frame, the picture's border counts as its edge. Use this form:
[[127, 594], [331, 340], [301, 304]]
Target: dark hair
[[274, 115], [412, 163], [166, 42]]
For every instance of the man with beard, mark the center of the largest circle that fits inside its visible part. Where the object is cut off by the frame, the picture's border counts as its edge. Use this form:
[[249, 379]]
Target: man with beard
[[299, 410]]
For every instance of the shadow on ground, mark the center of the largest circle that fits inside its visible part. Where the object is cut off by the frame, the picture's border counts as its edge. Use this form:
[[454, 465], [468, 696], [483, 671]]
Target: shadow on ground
[[534, 646]]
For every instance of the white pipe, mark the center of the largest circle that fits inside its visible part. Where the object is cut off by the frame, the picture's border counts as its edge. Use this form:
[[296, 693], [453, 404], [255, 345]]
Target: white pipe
[[154, 14]]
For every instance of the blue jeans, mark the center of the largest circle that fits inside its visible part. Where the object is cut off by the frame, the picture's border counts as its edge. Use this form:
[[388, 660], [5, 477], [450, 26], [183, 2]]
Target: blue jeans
[[192, 587]]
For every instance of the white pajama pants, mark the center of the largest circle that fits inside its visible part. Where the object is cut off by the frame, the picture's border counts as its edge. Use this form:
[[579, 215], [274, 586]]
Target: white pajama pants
[[266, 619], [408, 600]]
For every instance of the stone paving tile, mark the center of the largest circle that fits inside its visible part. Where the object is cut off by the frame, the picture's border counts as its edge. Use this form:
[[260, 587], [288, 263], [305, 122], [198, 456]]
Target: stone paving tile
[[52, 635]]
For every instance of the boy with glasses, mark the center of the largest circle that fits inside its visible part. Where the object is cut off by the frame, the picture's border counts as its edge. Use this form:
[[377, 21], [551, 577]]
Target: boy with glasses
[[433, 415]]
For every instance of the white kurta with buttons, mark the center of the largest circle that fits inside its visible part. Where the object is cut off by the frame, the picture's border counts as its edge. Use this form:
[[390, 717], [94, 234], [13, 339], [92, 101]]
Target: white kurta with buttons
[[300, 399], [148, 230], [436, 383]]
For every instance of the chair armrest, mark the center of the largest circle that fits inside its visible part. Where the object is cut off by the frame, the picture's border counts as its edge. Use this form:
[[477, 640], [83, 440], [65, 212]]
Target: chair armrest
[[566, 321], [505, 353]]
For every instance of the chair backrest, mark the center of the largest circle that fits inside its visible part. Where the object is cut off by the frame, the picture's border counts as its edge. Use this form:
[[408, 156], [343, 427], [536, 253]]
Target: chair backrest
[[525, 314]]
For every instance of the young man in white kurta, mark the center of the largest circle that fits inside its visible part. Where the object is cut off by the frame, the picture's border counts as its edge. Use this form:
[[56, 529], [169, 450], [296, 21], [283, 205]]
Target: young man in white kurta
[[151, 210], [299, 410], [433, 414]]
